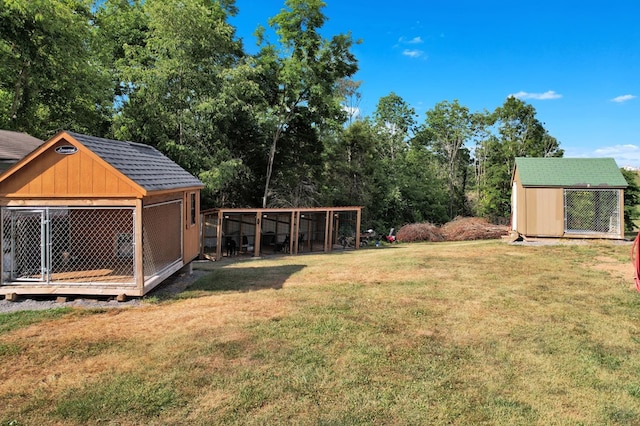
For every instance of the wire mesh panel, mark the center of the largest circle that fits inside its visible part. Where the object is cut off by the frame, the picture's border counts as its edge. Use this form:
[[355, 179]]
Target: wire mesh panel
[[344, 229], [594, 211], [23, 245], [162, 236], [68, 245]]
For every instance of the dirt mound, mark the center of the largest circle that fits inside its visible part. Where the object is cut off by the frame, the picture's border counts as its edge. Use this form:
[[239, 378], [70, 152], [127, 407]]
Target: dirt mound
[[460, 229]]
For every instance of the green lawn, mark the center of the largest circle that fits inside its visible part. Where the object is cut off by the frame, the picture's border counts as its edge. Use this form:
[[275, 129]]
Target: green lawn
[[434, 333]]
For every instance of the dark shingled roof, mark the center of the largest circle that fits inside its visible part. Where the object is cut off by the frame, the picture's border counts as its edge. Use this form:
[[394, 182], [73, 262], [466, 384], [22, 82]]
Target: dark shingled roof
[[15, 145], [570, 172], [141, 163]]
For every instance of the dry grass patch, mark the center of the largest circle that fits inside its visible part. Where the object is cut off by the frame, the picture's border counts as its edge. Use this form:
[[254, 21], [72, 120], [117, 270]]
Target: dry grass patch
[[463, 333]]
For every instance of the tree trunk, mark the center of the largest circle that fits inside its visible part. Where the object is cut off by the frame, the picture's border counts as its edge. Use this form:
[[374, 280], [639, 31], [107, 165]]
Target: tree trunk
[[18, 91], [272, 155]]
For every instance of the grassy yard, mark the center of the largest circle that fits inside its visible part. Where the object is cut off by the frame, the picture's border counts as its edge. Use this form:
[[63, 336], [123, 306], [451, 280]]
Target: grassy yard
[[437, 333]]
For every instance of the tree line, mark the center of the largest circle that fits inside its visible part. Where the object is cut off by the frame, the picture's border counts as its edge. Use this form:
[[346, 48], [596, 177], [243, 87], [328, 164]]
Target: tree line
[[274, 129]]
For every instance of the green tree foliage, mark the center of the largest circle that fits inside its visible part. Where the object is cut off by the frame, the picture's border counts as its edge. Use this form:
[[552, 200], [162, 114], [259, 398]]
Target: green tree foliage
[[631, 200], [395, 122], [186, 87], [447, 129], [517, 133], [424, 191], [405, 186], [50, 76], [172, 74], [350, 159], [120, 25], [301, 76]]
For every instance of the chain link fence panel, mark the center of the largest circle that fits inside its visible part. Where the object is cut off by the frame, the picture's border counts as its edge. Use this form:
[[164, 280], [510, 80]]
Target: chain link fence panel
[[68, 245], [592, 211]]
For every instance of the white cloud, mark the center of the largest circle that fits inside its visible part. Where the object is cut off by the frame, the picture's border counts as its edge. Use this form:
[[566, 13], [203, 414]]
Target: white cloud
[[626, 155], [609, 151], [539, 96], [415, 40], [353, 112], [623, 98], [413, 53]]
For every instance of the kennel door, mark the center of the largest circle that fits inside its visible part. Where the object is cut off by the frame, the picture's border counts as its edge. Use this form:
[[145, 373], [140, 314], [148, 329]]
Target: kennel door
[[26, 255]]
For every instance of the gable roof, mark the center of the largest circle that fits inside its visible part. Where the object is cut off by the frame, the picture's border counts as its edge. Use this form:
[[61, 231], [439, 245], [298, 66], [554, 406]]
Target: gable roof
[[15, 145], [141, 163], [570, 172]]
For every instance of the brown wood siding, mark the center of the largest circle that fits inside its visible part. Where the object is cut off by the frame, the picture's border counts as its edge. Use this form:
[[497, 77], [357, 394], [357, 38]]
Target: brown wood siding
[[545, 212], [191, 231], [622, 214], [521, 210], [76, 175]]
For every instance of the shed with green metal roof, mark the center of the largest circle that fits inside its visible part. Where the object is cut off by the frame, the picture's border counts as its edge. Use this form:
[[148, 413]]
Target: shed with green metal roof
[[568, 197]]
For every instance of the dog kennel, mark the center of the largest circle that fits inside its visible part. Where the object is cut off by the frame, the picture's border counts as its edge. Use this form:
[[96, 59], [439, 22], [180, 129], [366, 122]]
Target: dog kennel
[[568, 198], [86, 215]]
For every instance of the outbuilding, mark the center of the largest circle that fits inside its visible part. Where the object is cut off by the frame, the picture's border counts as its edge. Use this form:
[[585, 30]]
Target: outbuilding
[[568, 197], [14, 146], [85, 215], [258, 232]]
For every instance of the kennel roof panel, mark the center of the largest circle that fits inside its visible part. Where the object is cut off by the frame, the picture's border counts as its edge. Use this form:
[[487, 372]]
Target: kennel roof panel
[[143, 164], [570, 172], [15, 145]]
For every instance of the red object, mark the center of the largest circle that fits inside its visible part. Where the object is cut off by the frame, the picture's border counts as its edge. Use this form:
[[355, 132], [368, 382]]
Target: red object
[[635, 260]]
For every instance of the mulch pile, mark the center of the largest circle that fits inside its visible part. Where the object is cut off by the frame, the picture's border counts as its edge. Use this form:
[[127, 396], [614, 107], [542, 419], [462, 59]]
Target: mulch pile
[[460, 229]]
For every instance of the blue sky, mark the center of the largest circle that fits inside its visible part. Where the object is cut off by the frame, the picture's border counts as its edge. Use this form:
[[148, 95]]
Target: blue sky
[[576, 62]]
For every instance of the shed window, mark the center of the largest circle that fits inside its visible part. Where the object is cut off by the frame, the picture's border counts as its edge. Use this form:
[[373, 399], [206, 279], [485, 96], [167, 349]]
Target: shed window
[[192, 207], [592, 211]]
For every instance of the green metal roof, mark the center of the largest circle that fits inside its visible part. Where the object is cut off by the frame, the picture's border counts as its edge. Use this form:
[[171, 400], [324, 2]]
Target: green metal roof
[[570, 172]]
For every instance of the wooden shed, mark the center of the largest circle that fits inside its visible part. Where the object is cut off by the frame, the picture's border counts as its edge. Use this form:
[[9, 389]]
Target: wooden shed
[[568, 197], [14, 146], [86, 215]]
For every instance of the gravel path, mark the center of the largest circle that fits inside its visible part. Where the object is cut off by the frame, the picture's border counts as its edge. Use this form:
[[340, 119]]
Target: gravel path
[[170, 287]]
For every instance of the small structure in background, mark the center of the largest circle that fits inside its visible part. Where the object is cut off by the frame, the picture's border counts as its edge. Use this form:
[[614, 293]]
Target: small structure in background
[[568, 197], [14, 146], [257, 232], [86, 215]]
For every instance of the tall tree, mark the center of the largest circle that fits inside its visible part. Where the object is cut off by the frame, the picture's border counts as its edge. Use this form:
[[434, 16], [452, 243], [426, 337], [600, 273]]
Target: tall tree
[[188, 90], [120, 26], [519, 134], [395, 120], [350, 160], [352, 97], [448, 127], [301, 74], [50, 76], [394, 123]]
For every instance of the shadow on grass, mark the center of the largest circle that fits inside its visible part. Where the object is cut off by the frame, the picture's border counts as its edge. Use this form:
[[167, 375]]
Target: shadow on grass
[[241, 279]]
